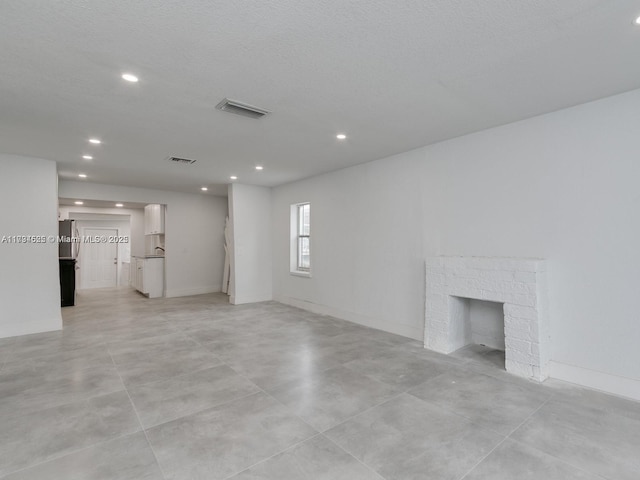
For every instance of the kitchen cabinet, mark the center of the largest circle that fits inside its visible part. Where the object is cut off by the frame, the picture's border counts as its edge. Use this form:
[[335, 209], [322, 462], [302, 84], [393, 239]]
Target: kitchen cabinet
[[148, 276], [154, 219]]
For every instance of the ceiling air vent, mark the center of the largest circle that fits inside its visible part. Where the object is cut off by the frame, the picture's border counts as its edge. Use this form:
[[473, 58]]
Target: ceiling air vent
[[182, 161], [240, 108]]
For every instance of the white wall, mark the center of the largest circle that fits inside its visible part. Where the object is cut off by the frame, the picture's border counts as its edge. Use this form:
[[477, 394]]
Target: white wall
[[250, 222], [29, 282], [194, 226], [367, 254], [562, 186]]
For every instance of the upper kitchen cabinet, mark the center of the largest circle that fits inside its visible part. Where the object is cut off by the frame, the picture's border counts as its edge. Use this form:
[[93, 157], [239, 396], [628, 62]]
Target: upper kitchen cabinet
[[153, 219]]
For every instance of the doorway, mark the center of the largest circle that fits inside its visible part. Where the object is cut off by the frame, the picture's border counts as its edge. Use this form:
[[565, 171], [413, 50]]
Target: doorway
[[100, 258]]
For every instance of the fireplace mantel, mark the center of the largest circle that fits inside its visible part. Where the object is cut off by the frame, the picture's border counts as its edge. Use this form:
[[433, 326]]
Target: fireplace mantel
[[518, 283]]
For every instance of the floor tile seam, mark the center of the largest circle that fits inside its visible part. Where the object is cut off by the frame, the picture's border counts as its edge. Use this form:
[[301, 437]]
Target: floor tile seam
[[187, 330], [287, 408], [483, 458], [578, 467], [82, 399], [354, 416], [464, 417], [180, 375], [205, 344], [449, 362], [397, 390], [506, 377], [165, 351], [138, 347], [200, 410], [61, 365], [505, 438], [561, 460], [528, 418], [110, 335], [404, 390], [135, 410], [36, 356], [290, 447], [369, 468], [71, 452], [277, 385], [197, 370]]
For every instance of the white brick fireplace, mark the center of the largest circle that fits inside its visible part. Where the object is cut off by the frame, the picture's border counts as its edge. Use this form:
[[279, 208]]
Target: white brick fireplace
[[518, 283]]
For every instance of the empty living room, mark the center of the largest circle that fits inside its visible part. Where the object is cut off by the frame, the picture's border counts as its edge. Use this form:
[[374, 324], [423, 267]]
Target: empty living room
[[337, 240]]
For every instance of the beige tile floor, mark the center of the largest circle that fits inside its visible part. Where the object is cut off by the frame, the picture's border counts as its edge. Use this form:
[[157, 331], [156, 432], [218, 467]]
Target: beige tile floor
[[195, 388]]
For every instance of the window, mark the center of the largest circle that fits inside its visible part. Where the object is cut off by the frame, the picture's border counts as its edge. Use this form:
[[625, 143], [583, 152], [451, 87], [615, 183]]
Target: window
[[301, 239]]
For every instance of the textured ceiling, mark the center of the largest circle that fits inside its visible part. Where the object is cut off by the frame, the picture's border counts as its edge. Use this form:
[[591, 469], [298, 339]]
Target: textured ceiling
[[393, 75]]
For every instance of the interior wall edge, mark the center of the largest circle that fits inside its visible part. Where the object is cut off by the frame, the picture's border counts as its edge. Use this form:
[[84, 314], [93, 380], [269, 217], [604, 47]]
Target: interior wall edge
[[604, 382], [378, 323]]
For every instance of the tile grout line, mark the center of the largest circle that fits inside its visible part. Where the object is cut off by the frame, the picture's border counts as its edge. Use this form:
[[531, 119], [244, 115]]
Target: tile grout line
[[135, 410], [201, 410], [333, 426], [565, 462], [505, 439], [290, 447], [261, 390], [371, 469], [72, 452], [364, 411], [577, 467], [85, 447], [197, 370], [77, 400]]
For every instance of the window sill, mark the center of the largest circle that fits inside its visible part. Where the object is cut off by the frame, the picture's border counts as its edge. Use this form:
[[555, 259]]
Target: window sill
[[299, 273]]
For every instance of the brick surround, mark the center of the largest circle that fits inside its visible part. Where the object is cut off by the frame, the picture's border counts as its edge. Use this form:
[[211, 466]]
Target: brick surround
[[518, 283]]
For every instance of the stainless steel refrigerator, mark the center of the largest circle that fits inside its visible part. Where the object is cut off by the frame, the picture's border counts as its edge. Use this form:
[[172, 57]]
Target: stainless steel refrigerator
[[68, 239]]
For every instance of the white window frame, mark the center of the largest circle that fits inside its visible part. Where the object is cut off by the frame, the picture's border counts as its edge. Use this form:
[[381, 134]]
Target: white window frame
[[294, 266]]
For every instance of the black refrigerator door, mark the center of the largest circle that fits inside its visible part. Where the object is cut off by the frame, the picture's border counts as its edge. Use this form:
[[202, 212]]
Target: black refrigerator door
[[68, 282]]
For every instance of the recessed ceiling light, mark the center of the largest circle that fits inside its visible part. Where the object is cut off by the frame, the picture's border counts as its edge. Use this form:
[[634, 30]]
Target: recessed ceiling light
[[87, 157], [233, 177], [204, 189], [341, 136], [82, 175], [95, 141], [637, 22], [119, 205], [129, 77], [78, 202], [259, 167]]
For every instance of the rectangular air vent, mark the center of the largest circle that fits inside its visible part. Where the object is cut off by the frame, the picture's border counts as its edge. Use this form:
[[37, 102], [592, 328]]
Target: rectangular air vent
[[239, 108], [183, 161]]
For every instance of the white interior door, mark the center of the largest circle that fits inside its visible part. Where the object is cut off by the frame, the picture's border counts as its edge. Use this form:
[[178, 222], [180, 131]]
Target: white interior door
[[99, 261]]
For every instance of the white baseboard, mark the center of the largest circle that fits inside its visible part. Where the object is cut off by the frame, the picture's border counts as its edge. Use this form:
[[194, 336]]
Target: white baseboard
[[373, 322], [240, 300], [187, 292], [605, 382]]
